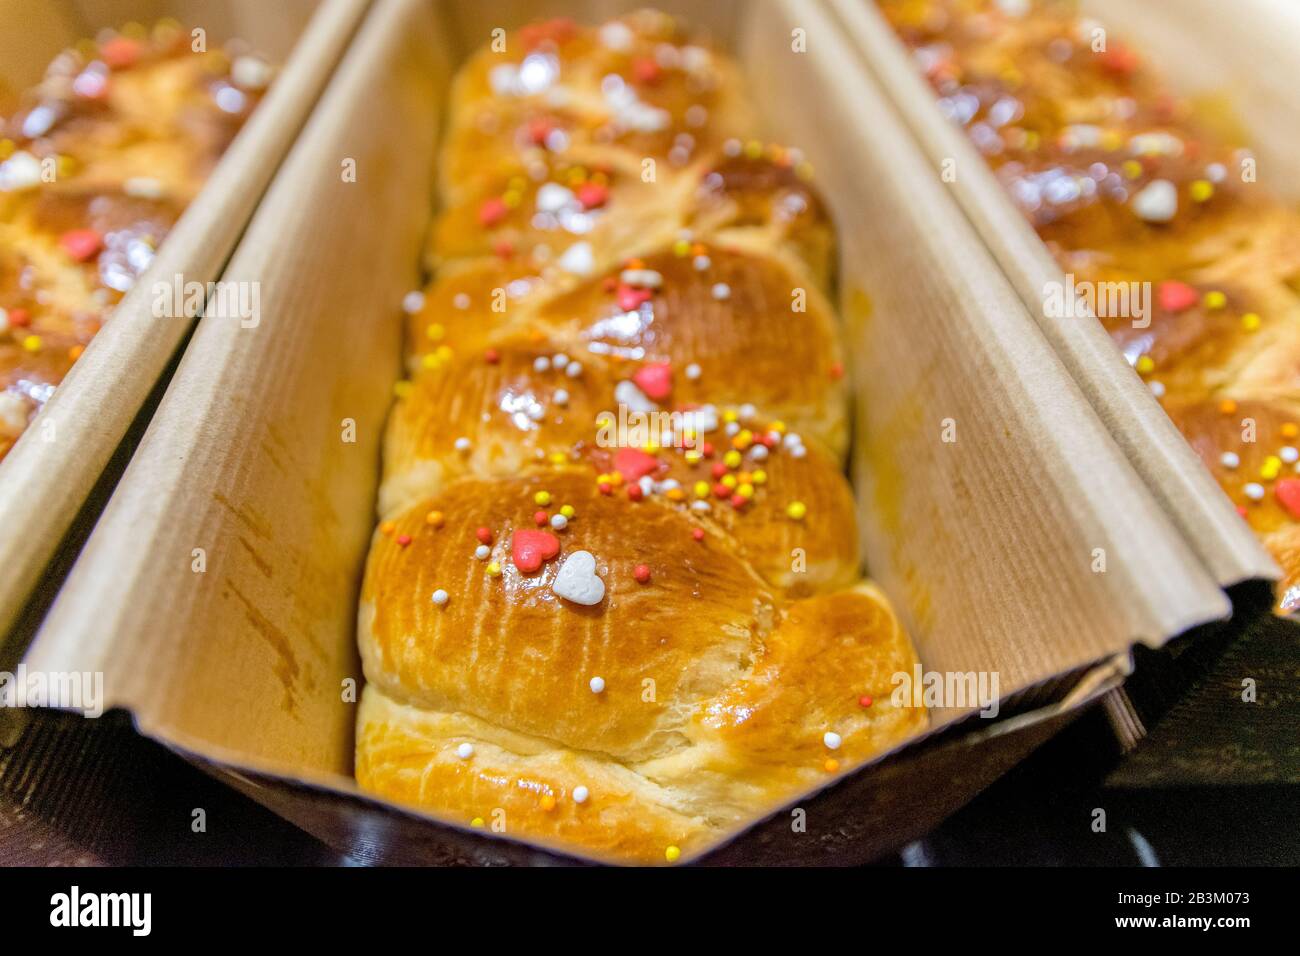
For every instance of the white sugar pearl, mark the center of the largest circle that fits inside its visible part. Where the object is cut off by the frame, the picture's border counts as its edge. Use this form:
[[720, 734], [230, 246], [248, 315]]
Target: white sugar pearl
[[1288, 454], [465, 751], [580, 794], [721, 291], [559, 522], [573, 370], [748, 410], [482, 552], [440, 597], [692, 372], [1254, 491], [462, 444], [1157, 202], [461, 301], [1229, 459], [702, 263], [413, 302], [798, 451], [560, 360], [832, 740], [541, 363], [758, 452], [561, 397], [597, 685], [1158, 389]]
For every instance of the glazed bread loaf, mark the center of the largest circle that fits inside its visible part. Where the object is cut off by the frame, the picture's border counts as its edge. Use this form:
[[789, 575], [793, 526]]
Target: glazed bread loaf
[[95, 168], [613, 604], [1126, 183]]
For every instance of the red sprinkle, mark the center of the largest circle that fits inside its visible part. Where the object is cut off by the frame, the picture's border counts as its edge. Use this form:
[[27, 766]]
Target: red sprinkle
[[605, 488], [646, 70], [492, 211], [1118, 58], [630, 298], [539, 128], [655, 379], [504, 249], [721, 490], [120, 52], [528, 549], [81, 244], [837, 371], [1288, 495], [592, 195], [739, 501], [864, 701], [1174, 296], [718, 469], [697, 534], [484, 535], [20, 318], [634, 492], [540, 517], [492, 356], [403, 539], [642, 573], [633, 463]]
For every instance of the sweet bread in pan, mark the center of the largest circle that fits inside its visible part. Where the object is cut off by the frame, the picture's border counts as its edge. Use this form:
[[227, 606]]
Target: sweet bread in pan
[[95, 168], [613, 604], [1131, 188]]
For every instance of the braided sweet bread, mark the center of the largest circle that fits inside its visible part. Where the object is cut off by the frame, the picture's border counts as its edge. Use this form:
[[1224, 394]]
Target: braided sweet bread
[[623, 642], [1127, 184], [95, 169]]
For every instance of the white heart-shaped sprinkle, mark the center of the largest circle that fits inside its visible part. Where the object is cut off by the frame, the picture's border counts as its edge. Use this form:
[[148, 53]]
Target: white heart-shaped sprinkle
[[577, 580], [1157, 202], [578, 259]]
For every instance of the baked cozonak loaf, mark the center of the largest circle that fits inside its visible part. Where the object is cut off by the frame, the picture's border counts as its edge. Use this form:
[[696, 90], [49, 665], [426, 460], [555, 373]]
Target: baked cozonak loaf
[[614, 603], [95, 168], [1128, 184]]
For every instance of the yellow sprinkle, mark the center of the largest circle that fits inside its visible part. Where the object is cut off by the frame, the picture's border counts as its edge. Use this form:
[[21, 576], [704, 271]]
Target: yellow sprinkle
[[1200, 190], [681, 247], [494, 569], [548, 802], [694, 455], [602, 479], [478, 822], [729, 415], [616, 478], [1145, 365], [567, 511], [743, 439], [511, 199], [1132, 168], [434, 518], [1271, 468], [542, 498], [745, 490], [701, 489], [728, 481], [443, 352], [672, 854], [796, 510], [732, 459], [759, 477], [7, 148], [753, 149], [1214, 299], [1250, 321], [435, 331], [32, 343], [430, 361], [402, 389], [777, 426], [1112, 139], [557, 457]]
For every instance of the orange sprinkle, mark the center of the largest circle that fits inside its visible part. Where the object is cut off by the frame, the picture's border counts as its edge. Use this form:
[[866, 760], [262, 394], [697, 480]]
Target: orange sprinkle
[[434, 518], [1290, 429], [548, 802], [1227, 406], [831, 765], [388, 527]]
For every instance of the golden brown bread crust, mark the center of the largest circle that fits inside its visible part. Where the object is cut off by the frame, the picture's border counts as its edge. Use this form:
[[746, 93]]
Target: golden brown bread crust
[[1128, 184], [94, 170], [644, 376]]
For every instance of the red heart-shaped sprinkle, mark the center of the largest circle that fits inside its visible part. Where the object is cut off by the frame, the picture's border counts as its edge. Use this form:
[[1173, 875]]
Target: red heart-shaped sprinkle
[[120, 52], [1174, 296], [633, 463], [528, 549], [1288, 495], [630, 298], [81, 244], [655, 379], [646, 70]]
